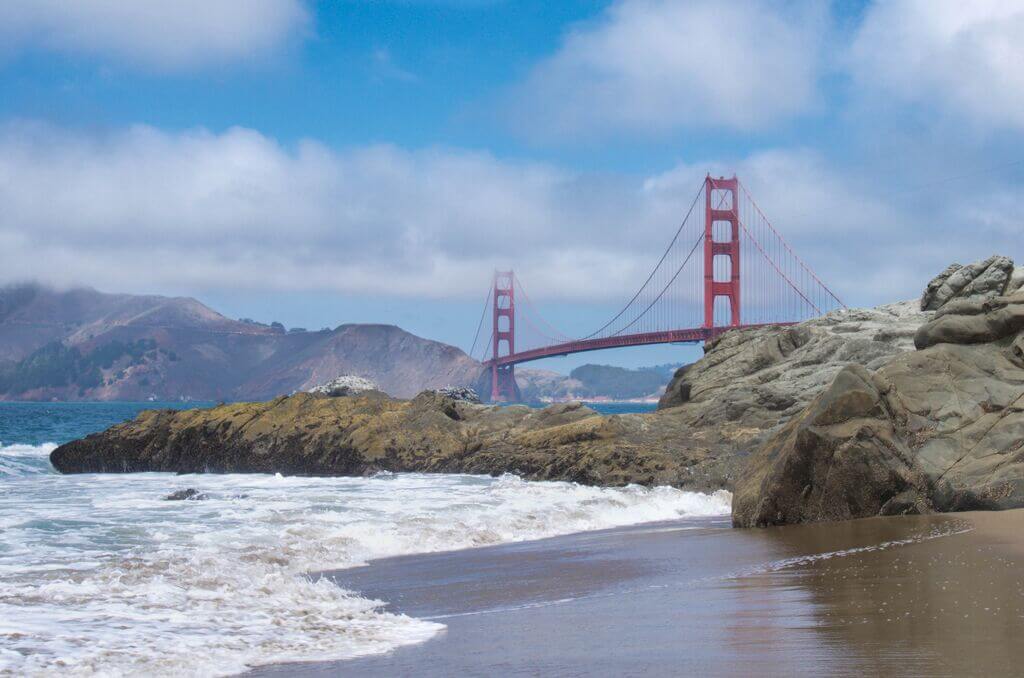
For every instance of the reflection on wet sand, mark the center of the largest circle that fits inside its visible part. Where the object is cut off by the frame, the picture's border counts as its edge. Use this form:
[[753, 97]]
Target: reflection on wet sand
[[922, 595], [950, 606]]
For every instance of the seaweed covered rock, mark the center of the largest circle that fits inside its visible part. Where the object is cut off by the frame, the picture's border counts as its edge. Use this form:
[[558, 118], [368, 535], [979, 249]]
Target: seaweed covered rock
[[305, 434]]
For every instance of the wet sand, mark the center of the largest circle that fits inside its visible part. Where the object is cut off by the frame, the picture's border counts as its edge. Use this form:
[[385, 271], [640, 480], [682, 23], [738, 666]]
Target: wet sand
[[916, 596]]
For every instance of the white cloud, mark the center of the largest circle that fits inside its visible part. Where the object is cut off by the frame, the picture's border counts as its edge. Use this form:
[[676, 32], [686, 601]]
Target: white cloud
[[173, 35], [655, 66], [965, 57], [144, 210]]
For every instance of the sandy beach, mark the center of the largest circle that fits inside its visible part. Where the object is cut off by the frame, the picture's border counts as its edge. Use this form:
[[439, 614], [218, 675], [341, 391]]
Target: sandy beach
[[924, 595]]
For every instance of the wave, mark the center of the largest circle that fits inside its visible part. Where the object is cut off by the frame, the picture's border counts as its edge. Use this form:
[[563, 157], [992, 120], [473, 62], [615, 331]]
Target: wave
[[99, 574], [19, 460]]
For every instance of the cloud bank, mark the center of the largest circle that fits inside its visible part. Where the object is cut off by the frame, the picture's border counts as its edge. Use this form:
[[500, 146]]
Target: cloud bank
[[181, 34], [139, 209]]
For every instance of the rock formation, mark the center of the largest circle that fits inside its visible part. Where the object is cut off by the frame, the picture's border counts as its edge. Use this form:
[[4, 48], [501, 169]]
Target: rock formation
[[941, 428], [858, 413], [749, 382], [345, 385], [461, 393], [981, 280], [307, 434]]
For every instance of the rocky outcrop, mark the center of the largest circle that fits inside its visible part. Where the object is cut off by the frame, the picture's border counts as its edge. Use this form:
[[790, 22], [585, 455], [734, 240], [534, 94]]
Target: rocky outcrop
[[1016, 280], [857, 413], [974, 321], [305, 434], [840, 458], [981, 280], [345, 385], [463, 393], [751, 382], [941, 428]]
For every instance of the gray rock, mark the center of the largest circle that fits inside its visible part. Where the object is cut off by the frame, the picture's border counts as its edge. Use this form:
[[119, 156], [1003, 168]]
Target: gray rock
[[939, 429], [461, 393], [983, 279], [1016, 280], [188, 494], [345, 385], [751, 382], [973, 321], [841, 458]]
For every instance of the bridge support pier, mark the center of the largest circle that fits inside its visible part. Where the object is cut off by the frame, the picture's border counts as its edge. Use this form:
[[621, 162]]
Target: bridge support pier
[[503, 377], [721, 207], [503, 384]]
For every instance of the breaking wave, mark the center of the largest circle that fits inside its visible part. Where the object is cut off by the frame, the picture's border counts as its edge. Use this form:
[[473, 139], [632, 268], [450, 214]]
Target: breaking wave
[[100, 574]]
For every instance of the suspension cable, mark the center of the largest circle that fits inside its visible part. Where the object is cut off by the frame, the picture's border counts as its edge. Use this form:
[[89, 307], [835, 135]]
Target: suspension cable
[[786, 245], [487, 303], [653, 271], [665, 288]]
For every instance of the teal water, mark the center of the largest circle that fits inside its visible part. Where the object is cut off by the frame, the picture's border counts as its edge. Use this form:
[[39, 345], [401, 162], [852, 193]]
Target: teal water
[[622, 408], [38, 423]]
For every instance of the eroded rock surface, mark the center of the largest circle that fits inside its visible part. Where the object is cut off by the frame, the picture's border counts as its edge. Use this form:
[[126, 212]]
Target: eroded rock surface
[[941, 428], [981, 280], [750, 382]]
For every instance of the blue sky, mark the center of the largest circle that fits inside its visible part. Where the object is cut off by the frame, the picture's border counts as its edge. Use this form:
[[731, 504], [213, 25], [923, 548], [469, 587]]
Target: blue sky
[[320, 163]]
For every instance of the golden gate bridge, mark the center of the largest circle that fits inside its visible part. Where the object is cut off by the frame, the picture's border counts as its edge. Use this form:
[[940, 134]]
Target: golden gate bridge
[[726, 267]]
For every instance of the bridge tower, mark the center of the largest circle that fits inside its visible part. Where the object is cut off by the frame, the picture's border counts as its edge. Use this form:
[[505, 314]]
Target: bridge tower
[[721, 207], [503, 377]]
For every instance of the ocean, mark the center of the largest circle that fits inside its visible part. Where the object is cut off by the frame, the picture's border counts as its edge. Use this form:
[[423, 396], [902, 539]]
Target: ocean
[[101, 574]]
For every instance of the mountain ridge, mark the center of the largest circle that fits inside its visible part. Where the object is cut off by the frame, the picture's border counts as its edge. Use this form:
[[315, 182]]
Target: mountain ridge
[[82, 344]]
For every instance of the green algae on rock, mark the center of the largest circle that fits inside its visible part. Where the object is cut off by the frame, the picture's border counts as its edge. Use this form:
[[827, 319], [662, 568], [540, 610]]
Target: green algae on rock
[[306, 434]]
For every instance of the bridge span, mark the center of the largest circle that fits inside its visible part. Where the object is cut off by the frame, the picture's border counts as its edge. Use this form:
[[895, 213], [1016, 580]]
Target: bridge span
[[745, 276]]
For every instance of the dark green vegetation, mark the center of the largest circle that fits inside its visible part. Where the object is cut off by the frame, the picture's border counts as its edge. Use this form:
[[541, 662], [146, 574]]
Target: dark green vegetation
[[308, 434], [55, 365]]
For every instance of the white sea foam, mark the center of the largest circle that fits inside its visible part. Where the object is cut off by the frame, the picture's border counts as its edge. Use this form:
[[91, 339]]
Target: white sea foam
[[99, 574], [20, 460]]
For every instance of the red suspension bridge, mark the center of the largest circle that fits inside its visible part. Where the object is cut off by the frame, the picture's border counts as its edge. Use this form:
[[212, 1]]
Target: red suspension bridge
[[726, 267]]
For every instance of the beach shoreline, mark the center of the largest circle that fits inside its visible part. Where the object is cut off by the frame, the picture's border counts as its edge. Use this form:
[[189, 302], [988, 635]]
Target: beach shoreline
[[877, 596]]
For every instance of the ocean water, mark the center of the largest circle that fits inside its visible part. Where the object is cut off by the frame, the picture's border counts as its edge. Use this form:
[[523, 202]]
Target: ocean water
[[99, 574]]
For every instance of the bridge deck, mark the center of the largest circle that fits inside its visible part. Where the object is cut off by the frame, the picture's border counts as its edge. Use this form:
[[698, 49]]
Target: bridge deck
[[647, 338]]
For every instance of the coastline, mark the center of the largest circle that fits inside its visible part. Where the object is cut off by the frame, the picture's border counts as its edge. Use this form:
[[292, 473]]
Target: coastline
[[911, 595]]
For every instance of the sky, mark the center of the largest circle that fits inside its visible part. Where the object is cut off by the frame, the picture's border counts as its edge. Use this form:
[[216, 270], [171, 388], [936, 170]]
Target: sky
[[317, 163]]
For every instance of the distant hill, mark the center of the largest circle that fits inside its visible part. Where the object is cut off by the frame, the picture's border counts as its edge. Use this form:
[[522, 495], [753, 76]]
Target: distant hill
[[619, 383], [83, 344], [594, 381]]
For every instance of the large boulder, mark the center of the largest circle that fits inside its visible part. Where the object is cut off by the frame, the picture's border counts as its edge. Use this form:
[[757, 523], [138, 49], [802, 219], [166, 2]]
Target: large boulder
[[941, 428], [973, 321], [841, 458]]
